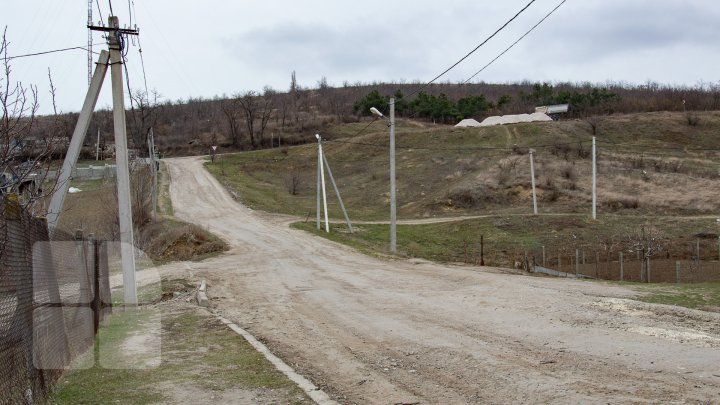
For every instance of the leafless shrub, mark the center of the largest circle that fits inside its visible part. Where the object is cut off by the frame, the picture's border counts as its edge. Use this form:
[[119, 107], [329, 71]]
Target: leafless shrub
[[568, 172], [693, 119], [552, 196], [549, 184], [519, 150], [593, 121], [294, 183], [464, 197], [618, 204], [638, 162], [583, 153], [561, 150]]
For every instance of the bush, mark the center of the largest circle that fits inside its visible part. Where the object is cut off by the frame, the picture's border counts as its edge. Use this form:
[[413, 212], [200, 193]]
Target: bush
[[692, 119], [622, 203], [294, 183], [464, 197], [568, 173]]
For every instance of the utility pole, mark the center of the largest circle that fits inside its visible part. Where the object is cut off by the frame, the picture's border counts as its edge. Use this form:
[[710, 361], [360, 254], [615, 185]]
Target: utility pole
[[322, 182], [532, 181], [594, 180], [154, 169], [393, 198], [113, 59], [337, 191], [317, 196], [127, 250], [97, 147]]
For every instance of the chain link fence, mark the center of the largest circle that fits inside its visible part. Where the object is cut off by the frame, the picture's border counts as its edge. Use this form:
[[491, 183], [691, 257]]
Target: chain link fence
[[52, 296], [680, 261]]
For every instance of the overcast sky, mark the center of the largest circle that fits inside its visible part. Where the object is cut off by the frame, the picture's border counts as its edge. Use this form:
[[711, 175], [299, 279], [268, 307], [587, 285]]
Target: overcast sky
[[215, 47]]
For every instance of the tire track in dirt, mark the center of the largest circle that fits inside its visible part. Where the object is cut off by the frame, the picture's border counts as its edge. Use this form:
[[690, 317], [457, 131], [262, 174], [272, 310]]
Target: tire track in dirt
[[374, 331]]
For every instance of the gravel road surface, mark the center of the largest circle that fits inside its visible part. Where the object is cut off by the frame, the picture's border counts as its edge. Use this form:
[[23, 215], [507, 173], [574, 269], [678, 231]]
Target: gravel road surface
[[377, 331]]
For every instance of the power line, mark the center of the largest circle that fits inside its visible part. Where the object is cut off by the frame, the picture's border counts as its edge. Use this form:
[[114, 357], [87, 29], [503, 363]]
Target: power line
[[53, 51], [102, 21], [515, 43], [112, 13], [474, 50]]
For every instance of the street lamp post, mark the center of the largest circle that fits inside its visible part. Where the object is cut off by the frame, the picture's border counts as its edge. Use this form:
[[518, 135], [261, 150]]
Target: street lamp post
[[393, 199]]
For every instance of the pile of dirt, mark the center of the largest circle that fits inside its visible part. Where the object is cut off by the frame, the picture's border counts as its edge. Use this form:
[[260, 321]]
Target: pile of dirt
[[170, 240]]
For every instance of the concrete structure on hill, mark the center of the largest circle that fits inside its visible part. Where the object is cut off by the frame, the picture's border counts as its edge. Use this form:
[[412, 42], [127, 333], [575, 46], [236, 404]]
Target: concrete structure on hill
[[469, 122]]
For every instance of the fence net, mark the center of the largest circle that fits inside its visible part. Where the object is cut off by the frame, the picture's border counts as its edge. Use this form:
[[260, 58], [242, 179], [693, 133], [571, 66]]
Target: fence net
[[682, 261], [52, 295]]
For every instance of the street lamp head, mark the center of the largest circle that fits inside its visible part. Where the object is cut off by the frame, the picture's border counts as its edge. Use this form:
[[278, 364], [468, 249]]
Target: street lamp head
[[317, 136], [376, 112]]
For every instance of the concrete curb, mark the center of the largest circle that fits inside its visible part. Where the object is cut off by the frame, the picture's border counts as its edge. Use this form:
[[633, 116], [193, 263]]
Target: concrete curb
[[201, 295], [315, 393]]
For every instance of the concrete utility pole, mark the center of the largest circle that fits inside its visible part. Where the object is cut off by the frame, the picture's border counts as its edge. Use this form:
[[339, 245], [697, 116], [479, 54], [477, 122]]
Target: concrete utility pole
[[337, 191], [393, 198], [322, 182], [127, 250], [114, 59], [532, 181], [393, 187], [63, 183], [97, 147], [594, 180], [317, 196], [154, 169]]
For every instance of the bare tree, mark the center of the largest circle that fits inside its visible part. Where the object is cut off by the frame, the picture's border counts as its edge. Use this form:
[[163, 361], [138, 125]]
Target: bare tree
[[144, 116], [593, 120], [250, 109], [647, 242], [268, 108], [24, 156], [231, 111]]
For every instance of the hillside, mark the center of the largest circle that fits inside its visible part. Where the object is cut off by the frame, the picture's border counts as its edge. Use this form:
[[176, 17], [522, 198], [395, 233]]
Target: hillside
[[648, 164]]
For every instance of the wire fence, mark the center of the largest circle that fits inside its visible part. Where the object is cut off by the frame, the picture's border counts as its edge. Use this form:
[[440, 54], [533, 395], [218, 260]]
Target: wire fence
[[52, 296], [683, 261]]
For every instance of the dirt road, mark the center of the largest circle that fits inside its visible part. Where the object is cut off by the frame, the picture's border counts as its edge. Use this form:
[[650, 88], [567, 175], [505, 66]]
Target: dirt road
[[386, 332]]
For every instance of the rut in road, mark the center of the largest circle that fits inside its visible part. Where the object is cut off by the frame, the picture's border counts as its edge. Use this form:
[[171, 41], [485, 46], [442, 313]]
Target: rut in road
[[376, 331]]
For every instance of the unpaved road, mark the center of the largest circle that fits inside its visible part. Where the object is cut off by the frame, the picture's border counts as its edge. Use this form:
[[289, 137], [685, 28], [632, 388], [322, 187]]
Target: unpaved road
[[386, 332]]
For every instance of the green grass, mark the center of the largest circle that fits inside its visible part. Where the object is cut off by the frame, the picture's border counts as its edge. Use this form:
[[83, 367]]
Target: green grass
[[506, 238], [696, 296], [197, 351], [164, 202]]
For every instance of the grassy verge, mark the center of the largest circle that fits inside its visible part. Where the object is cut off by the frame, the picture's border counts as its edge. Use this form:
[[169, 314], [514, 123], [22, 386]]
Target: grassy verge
[[697, 296], [164, 202], [201, 361], [506, 238]]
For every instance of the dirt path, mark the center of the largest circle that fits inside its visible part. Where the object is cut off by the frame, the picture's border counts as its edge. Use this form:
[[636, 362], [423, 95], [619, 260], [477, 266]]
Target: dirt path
[[373, 331]]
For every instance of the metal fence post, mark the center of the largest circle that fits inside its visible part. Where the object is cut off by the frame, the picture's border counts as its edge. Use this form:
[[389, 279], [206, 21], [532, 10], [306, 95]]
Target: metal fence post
[[648, 269], [677, 272], [543, 253], [622, 267], [597, 259], [577, 262]]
